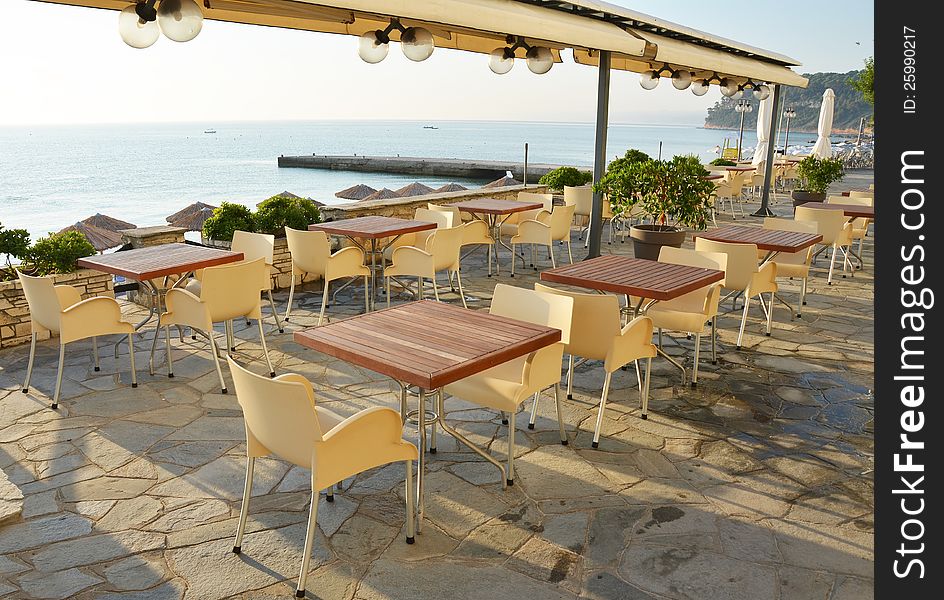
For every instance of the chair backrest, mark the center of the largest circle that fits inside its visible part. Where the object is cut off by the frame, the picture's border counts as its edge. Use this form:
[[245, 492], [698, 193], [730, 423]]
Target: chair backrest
[[856, 200], [829, 222], [279, 414], [43, 301], [862, 194], [693, 258], [227, 292], [442, 219], [540, 308], [581, 197], [454, 211], [547, 199], [595, 322], [310, 250], [254, 245], [741, 264], [781, 224], [561, 219], [445, 244]]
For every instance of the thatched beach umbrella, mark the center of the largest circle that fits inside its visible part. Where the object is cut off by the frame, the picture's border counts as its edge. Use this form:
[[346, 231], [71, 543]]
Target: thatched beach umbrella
[[382, 194], [101, 239], [503, 182], [452, 187], [195, 207], [357, 192], [414, 189], [109, 223], [193, 221]]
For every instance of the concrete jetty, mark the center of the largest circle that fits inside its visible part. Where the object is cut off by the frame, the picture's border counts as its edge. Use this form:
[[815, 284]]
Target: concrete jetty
[[484, 170]]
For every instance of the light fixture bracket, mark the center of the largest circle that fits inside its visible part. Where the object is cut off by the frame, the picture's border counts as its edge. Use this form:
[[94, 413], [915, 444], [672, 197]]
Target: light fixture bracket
[[146, 11]]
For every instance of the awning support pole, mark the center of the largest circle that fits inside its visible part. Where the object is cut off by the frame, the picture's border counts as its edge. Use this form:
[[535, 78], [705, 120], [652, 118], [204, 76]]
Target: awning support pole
[[764, 211], [599, 156]]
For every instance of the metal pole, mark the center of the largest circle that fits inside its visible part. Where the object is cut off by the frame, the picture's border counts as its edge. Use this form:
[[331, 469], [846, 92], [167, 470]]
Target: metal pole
[[764, 211], [780, 117], [599, 157], [660, 149], [526, 164], [740, 135], [786, 139], [859, 136]]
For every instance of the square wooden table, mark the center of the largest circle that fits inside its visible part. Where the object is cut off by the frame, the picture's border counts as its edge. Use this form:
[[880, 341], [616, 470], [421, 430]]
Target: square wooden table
[[495, 212], [853, 211], [368, 233], [428, 345], [772, 241]]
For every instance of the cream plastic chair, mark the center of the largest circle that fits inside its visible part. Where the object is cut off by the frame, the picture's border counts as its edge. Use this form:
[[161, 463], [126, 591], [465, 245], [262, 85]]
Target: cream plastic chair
[[259, 245], [474, 233], [596, 334], [860, 225], [742, 275], [796, 264], [61, 309], [690, 312], [546, 229], [506, 386], [735, 192], [283, 418], [441, 253], [311, 254], [228, 292], [835, 229], [547, 199], [584, 204], [582, 198]]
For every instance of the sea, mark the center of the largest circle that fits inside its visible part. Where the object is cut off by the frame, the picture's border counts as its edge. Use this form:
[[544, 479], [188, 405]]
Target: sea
[[53, 176]]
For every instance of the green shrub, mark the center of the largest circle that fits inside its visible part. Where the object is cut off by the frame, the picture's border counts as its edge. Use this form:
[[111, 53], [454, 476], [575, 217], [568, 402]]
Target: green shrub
[[57, 252], [226, 219], [819, 173], [278, 212], [565, 176], [14, 243], [632, 156], [723, 162]]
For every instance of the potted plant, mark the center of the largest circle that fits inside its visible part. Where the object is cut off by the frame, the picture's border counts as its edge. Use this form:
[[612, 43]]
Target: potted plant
[[817, 174], [562, 177], [673, 193], [723, 162]]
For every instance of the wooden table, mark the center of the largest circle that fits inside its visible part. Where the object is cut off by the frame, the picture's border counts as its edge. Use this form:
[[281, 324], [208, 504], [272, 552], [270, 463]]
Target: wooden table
[[853, 211], [773, 241], [712, 177], [145, 265], [648, 280], [428, 345], [367, 232], [492, 211]]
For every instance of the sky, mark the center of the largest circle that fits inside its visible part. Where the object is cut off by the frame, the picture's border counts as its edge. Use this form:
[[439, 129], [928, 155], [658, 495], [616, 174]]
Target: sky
[[68, 65]]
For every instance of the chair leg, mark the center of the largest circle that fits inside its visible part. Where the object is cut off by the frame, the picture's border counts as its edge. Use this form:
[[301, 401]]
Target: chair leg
[[410, 504], [551, 252], [645, 390], [802, 296], [230, 336], [560, 414], [29, 368], [324, 302], [265, 348], [387, 283], [278, 322], [157, 332], [695, 367], [570, 254], [435, 287], [309, 540], [510, 479], [419, 288], [134, 372], [770, 313], [291, 297], [244, 509], [534, 411], [747, 305], [216, 360], [170, 360], [513, 258], [62, 360], [98, 366], [570, 377], [461, 292], [596, 430], [367, 294], [714, 340], [832, 260], [660, 338]]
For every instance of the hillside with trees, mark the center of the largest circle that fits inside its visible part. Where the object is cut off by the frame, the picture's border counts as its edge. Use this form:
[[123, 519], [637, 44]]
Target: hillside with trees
[[849, 107]]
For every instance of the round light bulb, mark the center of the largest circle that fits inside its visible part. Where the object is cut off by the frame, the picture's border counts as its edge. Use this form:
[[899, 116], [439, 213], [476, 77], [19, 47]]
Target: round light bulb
[[417, 43], [180, 20], [762, 92], [499, 61], [135, 32], [649, 80], [682, 79], [700, 87], [539, 59], [371, 49], [728, 87], [738, 94]]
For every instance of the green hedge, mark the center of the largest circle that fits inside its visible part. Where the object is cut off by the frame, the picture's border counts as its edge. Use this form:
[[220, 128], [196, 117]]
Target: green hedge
[[565, 177]]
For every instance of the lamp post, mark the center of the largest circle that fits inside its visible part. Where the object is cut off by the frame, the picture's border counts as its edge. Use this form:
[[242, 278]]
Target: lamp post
[[789, 113], [742, 107]]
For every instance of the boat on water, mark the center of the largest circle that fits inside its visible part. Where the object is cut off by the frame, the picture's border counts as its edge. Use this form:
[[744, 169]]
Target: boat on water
[[209, 131], [430, 127]]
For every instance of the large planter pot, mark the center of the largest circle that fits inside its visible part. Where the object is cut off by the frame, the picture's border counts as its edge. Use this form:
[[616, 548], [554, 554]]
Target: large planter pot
[[649, 239], [803, 196]]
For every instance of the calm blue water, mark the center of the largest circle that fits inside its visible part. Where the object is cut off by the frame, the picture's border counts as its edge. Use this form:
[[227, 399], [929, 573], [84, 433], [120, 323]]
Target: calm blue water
[[51, 177]]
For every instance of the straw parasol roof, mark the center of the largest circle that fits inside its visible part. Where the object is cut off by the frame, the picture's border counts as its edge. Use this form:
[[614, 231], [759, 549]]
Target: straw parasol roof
[[414, 189], [110, 223], [194, 220], [452, 187], [357, 192], [503, 182], [382, 194], [101, 239], [196, 206]]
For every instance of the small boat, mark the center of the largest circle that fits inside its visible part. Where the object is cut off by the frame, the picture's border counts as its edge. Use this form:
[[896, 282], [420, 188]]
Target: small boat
[[429, 127], [210, 131]]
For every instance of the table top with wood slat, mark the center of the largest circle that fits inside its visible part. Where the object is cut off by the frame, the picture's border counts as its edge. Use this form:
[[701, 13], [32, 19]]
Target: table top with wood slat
[[850, 210], [493, 206], [740, 169], [634, 276], [152, 262], [373, 227], [770, 240], [426, 343]]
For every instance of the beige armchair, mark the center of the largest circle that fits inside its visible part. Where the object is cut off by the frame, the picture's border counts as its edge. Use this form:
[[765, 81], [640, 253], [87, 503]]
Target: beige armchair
[[796, 264], [835, 229], [441, 253], [544, 230]]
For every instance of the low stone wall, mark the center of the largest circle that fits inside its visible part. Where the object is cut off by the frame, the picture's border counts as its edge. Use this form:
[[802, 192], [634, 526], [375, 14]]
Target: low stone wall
[[14, 311], [405, 207]]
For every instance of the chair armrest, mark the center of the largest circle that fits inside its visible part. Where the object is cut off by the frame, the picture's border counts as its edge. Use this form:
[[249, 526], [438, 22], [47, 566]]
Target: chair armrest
[[712, 298], [476, 232], [408, 260], [532, 232], [91, 317], [346, 262], [67, 295], [768, 272], [633, 342], [541, 369], [184, 308]]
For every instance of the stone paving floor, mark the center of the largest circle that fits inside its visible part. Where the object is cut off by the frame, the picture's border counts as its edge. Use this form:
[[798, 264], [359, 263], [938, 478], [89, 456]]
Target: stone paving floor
[[755, 485]]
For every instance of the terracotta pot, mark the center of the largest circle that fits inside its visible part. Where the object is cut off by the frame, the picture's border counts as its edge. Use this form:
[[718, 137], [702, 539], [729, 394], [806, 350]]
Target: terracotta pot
[[649, 239], [803, 196]]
